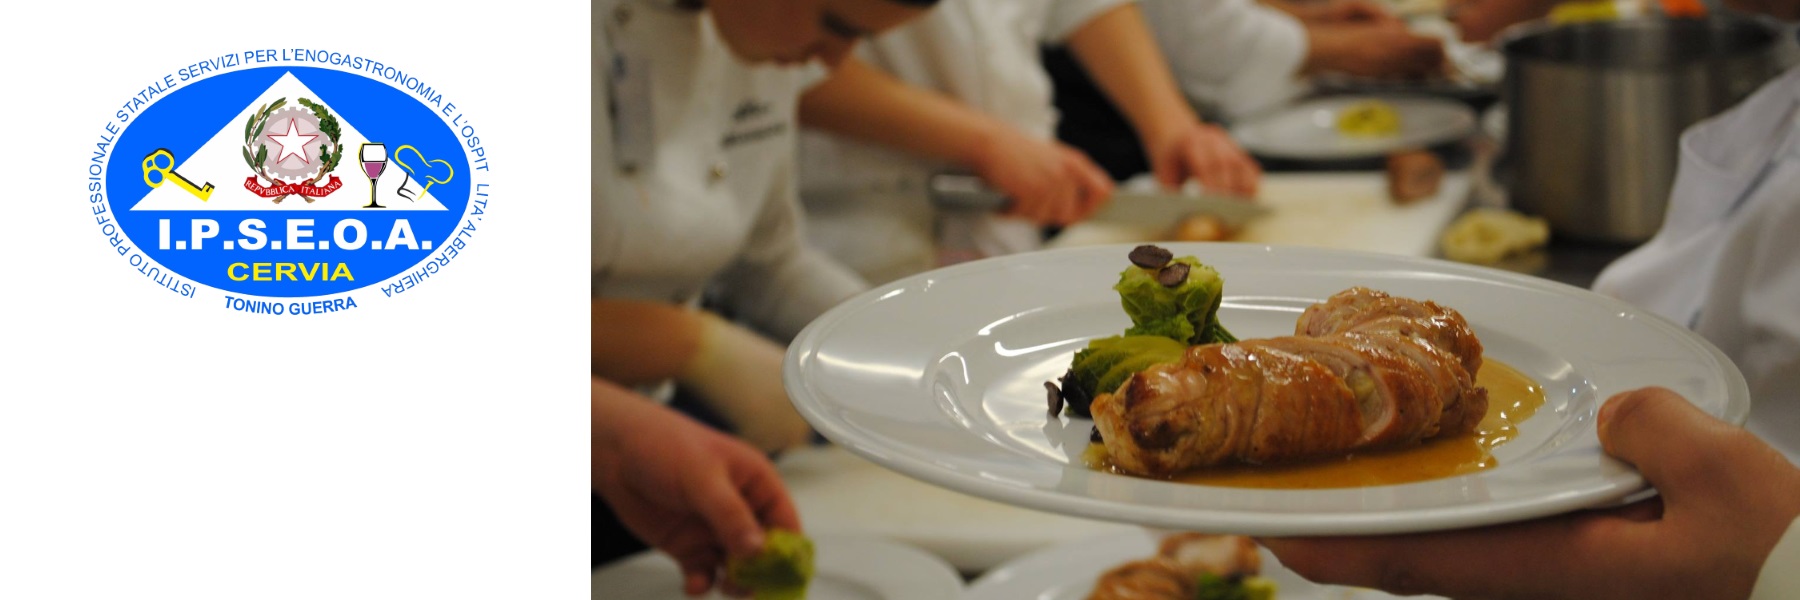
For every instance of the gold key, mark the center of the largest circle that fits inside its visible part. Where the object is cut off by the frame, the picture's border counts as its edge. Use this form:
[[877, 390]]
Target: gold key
[[153, 165]]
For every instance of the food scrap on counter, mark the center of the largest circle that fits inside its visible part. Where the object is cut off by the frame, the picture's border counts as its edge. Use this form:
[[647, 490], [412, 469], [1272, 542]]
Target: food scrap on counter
[[1486, 236], [1413, 175], [1202, 227]]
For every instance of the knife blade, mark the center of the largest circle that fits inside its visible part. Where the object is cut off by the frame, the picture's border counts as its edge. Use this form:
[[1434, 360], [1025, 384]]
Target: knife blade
[[1164, 210], [1158, 210]]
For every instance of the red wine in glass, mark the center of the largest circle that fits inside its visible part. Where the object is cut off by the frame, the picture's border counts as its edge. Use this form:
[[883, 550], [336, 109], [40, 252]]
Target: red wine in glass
[[374, 161]]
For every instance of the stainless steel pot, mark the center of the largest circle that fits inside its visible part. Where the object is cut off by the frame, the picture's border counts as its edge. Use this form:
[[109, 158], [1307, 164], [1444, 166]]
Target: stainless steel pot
[[1595, 112]]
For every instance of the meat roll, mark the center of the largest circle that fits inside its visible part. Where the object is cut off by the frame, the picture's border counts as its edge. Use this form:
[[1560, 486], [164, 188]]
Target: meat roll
[[1364, 370]]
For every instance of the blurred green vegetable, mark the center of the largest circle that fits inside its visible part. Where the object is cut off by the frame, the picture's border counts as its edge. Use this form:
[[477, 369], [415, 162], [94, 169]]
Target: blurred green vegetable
[[1107, 362], [780, 571], [1214, 587]]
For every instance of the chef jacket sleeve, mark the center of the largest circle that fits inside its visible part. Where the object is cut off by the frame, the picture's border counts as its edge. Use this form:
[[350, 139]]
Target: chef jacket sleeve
[[1768, 346], [1066, 16], [779, 283], [1235, 56], [1780, 576]]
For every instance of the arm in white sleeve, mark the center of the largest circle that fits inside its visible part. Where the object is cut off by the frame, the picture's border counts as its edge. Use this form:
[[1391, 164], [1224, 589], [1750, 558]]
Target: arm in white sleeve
[[1780, 577], [779, 283], [1766, 255], [1066, 16], [1750, 313], [1237, 56]]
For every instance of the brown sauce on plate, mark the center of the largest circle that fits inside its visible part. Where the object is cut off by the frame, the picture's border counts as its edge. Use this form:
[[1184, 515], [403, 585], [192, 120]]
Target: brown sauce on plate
[[1512, 398]]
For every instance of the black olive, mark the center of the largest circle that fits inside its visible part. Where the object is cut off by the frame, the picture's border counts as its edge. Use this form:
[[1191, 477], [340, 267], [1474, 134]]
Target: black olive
[[1151, 256], [1172, 275]]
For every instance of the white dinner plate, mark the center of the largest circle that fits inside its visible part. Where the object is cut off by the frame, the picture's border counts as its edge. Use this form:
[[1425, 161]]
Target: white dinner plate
[[940, 376], [844, 568], [1068, 572], [1308, 130]]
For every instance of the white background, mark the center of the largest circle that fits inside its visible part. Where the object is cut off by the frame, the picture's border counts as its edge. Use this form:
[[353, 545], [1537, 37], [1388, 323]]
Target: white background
[[433, 445]]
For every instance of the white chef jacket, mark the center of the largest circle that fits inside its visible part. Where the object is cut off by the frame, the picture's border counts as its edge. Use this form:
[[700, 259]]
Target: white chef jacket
[[1232, 57], [1730, 269], [867, 205], [1727, 264], [694, 172]]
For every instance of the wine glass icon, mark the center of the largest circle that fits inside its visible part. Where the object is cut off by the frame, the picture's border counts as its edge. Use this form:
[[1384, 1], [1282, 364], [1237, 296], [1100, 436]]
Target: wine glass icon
[[374, 160]]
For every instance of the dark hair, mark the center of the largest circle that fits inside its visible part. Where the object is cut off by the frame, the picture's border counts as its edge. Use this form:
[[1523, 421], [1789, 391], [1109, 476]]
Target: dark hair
[[917, 2]]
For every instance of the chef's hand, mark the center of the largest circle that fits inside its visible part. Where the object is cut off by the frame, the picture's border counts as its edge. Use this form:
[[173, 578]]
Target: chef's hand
[[1380, 50], [1340, 11], [681, 487], [1049, 183], [1205, 152], [1480, 20], [737, 374], [1725, 499]]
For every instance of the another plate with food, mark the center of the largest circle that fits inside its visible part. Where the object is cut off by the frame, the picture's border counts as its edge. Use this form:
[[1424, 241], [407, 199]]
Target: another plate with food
[[834, 568], [1349, 127], [1155, 565], [1246, 389]]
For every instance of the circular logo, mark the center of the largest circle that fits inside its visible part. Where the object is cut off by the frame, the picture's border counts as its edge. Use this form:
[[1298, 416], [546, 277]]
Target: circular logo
[[289, 182]]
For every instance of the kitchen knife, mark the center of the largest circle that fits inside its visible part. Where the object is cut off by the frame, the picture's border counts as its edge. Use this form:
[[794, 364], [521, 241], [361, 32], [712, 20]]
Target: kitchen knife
[[1159, 210]]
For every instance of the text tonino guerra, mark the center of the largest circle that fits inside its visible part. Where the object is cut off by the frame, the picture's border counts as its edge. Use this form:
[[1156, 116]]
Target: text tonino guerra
[[288, 181]]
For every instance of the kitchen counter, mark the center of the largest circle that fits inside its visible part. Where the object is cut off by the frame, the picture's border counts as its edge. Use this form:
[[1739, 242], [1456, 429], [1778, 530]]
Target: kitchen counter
[[1570, 262], [1345, 210]]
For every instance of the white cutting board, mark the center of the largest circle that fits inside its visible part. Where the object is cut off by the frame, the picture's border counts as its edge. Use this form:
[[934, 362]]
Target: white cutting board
[[839, 493], [1344, 210]]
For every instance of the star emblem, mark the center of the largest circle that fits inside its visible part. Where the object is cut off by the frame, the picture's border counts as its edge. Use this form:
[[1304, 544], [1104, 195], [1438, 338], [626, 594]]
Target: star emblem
[[293, 143]]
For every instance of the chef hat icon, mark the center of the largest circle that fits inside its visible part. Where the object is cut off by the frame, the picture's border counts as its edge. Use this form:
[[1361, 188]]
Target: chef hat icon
[[418, 168]]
